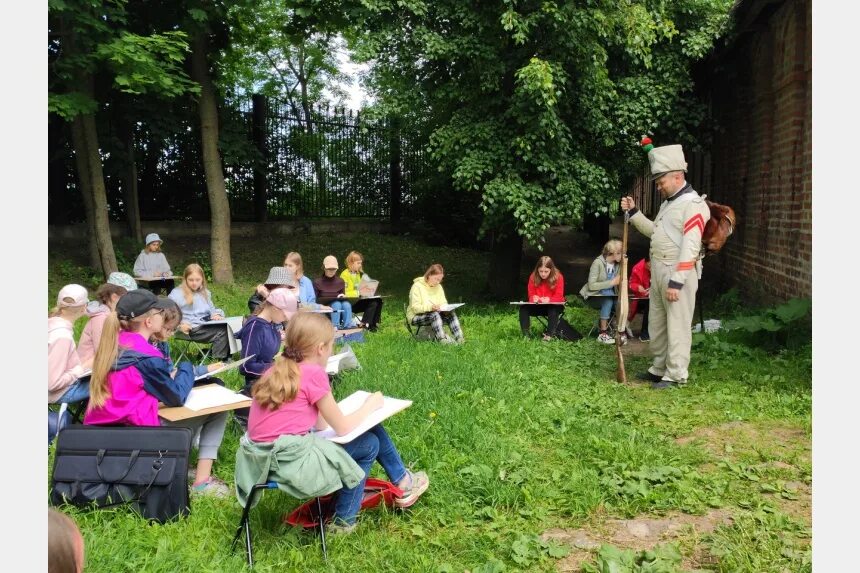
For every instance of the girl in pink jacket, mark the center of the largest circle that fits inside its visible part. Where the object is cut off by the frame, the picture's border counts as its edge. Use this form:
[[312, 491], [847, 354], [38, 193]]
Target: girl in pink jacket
[[64, 366], [98, 310], [130, 377]]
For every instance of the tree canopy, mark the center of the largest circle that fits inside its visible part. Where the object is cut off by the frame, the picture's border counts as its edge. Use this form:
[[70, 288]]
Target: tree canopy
[[537, 105]]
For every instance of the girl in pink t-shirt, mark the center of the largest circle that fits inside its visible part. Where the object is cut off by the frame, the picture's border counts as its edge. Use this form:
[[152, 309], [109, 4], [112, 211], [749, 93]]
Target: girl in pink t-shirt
[[294, 397]]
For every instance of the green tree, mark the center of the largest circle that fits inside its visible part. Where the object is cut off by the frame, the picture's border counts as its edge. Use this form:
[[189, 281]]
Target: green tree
[[537, 105], [89, 44], [289, 50]]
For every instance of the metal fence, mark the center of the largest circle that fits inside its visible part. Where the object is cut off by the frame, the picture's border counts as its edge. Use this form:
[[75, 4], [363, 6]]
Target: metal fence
[[280, 162]]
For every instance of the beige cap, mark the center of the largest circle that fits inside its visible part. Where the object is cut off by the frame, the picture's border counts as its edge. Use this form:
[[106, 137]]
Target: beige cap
[[330, 262], [666, 158], [72, 295]]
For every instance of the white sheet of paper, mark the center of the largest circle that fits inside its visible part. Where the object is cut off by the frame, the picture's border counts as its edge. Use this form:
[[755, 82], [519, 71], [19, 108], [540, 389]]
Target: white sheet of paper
[[343, 360], [228, 366], [352, 403], [211, 396], [450, 307]]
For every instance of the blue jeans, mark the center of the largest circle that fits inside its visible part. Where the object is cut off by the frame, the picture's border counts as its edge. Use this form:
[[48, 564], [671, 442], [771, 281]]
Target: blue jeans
[[343, 318], [373, 445], [79, 390], [607, 303]]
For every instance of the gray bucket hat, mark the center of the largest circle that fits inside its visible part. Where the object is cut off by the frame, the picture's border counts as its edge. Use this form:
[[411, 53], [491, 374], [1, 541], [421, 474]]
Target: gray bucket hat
[[665, 159], [152, 237], [281, 276]]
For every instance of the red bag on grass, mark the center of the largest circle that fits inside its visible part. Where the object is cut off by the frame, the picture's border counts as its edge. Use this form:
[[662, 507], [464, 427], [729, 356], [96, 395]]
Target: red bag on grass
[[376, 491]]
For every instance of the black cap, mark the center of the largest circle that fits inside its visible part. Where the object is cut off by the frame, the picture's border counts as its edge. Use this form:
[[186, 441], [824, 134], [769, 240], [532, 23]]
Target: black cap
[[137, 302]]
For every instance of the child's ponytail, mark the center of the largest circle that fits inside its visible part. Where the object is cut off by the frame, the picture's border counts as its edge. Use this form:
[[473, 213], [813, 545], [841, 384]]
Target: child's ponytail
[[305, 332], [280, 384], [105, 357]]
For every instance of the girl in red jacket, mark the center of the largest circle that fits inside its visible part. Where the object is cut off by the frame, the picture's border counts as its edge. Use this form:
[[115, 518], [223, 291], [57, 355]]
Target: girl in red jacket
[[545, 286]]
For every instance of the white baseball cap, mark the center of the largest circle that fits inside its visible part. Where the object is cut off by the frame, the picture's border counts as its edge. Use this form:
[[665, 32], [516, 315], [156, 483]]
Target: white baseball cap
[[72, 295]]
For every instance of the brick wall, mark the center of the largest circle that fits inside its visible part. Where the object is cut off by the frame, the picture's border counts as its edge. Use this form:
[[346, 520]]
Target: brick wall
[[761, 161]]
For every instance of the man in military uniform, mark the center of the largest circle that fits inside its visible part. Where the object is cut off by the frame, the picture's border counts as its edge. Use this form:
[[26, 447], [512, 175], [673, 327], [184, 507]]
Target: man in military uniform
[[676, 240]]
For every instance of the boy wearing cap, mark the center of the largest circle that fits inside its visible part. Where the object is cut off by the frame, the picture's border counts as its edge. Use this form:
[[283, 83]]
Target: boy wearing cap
[[676, 240], [151, 263], [64, 365], [331, 286]]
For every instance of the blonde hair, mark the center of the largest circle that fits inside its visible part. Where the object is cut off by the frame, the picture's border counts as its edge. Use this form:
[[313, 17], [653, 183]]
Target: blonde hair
[[204, 288], [434, 269], [351, 258], [107, 352], [612, 246], [296, 258], [280, 384]]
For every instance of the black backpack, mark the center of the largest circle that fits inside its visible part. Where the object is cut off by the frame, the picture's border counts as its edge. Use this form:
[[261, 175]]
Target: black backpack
[[564, 331]]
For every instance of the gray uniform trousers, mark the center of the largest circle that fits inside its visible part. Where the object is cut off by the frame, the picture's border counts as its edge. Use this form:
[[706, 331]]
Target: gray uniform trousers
[[669, 323]]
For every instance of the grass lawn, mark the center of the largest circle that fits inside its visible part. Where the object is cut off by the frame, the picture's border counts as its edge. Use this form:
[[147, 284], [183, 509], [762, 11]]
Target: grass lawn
[[536, 455]]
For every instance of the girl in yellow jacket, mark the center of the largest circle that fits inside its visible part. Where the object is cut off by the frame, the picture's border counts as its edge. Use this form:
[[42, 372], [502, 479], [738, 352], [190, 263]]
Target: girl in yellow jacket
[[426, 299], [370, 308]]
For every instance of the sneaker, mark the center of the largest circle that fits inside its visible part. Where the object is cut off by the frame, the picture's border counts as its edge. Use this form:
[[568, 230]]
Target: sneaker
[[447, 340], [648, 377], [547, 338], [605, 338], [212, 487], [419, 484], [340, 528], [644, 337]]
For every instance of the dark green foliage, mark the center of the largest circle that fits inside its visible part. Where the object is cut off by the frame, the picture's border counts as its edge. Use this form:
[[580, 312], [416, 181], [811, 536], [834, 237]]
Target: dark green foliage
[[535, 107], [788, 325], [664, 558]]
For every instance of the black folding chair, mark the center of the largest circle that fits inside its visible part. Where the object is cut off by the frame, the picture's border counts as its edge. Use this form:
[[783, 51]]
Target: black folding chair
[[245, 523], [415, 329]]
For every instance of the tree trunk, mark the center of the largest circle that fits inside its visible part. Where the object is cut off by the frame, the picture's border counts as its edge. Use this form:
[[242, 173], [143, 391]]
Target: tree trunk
[[129, 183], [89, 163], [85, 187], [222, 265], [101, 220], [505, 260]]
